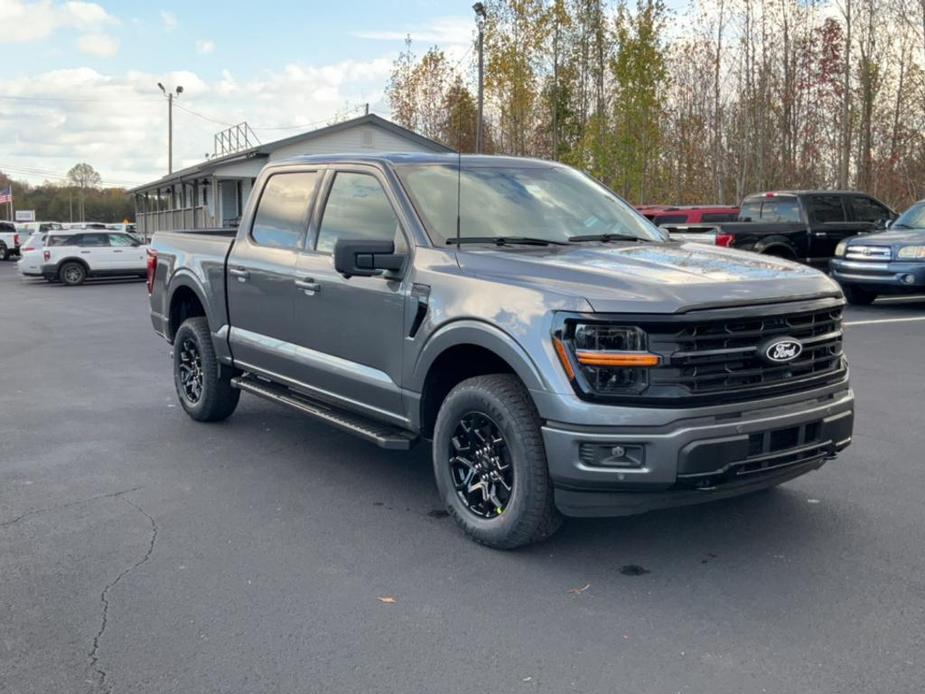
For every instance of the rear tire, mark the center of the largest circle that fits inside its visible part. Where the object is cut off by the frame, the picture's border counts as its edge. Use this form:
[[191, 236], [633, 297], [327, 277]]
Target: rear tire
[[72, 274], [487, 438], [203, 385], [858, 296]]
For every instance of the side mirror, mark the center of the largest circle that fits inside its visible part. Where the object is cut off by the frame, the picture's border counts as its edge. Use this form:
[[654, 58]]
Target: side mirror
[[366, 258], [887, 223]]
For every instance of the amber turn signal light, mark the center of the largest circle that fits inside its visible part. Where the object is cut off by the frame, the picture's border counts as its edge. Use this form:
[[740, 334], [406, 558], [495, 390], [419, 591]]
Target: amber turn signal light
[[563, 357], [630, 359]]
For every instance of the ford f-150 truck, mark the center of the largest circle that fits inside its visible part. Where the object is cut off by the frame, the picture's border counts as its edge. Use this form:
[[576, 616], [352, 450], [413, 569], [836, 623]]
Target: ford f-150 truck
[[801, 225], [560, 353]]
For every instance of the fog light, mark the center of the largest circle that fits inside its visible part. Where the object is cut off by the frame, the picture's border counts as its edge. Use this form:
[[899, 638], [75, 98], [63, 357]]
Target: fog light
[[622, 455], [908, 279]]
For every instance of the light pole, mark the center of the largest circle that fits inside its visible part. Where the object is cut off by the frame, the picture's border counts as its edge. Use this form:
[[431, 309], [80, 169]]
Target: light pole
[[170, 95], [480, 17]]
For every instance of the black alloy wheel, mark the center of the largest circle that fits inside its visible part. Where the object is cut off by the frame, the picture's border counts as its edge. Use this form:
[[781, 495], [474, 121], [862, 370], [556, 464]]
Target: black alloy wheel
[[190, 371], [480, 465]]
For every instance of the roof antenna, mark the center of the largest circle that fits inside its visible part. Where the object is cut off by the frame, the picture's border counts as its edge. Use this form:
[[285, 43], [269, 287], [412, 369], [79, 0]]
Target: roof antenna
[[458, 190]]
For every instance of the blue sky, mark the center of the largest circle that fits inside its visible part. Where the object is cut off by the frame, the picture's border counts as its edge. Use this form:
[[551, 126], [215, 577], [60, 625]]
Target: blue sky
[[79, 77]]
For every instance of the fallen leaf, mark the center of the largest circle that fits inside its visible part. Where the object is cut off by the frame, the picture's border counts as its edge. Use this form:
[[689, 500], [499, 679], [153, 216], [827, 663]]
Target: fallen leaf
[[387, 599], [527, 679], [578, 591]]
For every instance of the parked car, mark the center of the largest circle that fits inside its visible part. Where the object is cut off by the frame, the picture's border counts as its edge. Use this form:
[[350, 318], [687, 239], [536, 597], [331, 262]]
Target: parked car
[[691, 214], [26, 229], [71, 256], [30, 255], [562, 355], [796, 225], [9, 240], [887, 262]]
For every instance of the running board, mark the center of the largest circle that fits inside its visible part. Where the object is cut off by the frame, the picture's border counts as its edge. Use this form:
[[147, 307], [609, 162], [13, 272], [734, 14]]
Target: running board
[[383, 435]]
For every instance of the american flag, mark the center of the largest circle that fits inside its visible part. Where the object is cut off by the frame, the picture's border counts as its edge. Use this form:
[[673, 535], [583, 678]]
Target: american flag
[[6, 195]]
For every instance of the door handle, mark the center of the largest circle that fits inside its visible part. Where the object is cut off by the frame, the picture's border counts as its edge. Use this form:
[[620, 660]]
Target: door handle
[[85, 252], [117, 251], [240, 273], [310, 286]]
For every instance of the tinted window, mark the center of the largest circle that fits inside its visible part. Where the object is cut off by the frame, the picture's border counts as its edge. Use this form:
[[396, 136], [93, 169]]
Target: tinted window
[[357, 208], [282, 214], [825, 208], [63, 240], [121, 240], [867, 210], [718, 217], [780, 209], [5, 227], [93, 240], [670, 219]]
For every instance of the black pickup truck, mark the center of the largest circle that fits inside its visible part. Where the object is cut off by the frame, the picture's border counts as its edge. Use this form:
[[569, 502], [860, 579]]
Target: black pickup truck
[[793, 224]]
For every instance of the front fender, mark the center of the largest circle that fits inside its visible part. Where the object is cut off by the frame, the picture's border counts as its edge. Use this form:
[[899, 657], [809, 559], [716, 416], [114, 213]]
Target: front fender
[[481, 334]]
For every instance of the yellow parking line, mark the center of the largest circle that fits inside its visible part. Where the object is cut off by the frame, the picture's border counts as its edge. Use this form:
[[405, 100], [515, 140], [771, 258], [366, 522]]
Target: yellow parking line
[[885, 320]]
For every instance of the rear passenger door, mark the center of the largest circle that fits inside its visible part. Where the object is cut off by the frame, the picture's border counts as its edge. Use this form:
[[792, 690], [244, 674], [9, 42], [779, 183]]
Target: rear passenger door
[[94, 248], [260, 277]]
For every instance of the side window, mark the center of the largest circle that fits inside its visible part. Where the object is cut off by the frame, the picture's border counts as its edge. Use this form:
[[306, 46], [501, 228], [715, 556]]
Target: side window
[[282, 213], [708, 217], [94, 240], [121, 240], [358, 208], [867, 210], [825, 208], [670, 219]]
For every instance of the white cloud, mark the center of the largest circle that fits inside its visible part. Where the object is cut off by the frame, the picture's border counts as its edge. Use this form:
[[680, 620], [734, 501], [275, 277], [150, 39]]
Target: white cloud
[[99, 45], [23, 22], [118, 122], [205, 46], [169, 19]]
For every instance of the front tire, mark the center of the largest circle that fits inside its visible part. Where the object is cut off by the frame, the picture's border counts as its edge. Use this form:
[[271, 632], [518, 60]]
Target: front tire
[[858, 296], [490, 463], [203, 385], [4, 252], [72, 274]]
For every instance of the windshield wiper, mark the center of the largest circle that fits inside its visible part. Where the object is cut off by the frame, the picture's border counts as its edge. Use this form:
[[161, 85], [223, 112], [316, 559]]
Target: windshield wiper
[[607, 237], [505, 240]]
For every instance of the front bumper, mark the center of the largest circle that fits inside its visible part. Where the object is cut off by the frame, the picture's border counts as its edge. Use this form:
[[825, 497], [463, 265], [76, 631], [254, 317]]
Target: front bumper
[[697, 458], [887, 277]]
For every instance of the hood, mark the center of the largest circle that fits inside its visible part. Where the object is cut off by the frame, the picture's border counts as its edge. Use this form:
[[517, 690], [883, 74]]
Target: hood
[[891, 237], [650, 277]]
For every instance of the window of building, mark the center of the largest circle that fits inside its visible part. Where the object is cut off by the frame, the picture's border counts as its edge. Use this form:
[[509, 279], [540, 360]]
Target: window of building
[[282, 213]]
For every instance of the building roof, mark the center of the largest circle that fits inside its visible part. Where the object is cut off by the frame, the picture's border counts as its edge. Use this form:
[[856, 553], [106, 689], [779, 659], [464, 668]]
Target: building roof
[[264, 150]]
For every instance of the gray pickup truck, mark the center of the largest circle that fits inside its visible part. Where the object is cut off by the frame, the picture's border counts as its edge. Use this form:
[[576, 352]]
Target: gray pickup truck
[[562, 356]]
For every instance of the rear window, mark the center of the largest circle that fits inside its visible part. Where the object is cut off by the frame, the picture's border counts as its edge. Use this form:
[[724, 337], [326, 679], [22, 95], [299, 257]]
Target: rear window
[[771, 210]]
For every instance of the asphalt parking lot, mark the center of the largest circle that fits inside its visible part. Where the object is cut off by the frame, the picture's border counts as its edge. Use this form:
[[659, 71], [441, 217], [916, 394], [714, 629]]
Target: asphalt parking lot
[[143, 552]]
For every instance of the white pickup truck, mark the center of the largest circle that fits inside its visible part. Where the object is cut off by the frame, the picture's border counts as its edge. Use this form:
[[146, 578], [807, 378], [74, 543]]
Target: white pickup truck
[[9, 240]]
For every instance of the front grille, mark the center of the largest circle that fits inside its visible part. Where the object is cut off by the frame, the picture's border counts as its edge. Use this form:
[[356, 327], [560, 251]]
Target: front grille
[[721, 357], [879, 253]]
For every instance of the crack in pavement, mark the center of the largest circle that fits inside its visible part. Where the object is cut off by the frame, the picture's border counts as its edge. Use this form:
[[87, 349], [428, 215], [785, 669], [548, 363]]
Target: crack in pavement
[[93, 655], [37, 511]]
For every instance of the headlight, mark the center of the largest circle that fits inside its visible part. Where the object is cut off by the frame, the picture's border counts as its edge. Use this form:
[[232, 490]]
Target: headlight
[[911, 253], [605, 359], [841, 248]]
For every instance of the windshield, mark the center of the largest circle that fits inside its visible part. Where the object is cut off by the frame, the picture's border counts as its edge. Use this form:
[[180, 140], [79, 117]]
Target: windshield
[[913, 218], [553, 203]]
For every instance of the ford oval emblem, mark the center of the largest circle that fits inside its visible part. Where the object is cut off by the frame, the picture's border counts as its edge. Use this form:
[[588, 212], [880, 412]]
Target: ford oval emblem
[[781, 350]]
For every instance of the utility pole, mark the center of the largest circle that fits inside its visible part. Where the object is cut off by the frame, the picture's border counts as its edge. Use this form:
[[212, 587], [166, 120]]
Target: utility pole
[[170, 95], [480, 17]]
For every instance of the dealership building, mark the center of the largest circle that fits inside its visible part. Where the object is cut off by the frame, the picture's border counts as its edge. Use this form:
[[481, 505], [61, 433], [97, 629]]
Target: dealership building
[[213, 193]]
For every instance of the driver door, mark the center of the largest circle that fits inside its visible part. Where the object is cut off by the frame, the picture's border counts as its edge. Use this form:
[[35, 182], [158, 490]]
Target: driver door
[[351, 330]]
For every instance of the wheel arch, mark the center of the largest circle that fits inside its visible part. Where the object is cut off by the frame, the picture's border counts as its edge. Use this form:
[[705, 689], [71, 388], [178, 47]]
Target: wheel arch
[[463, 350], [185, 300], [777, 246]]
